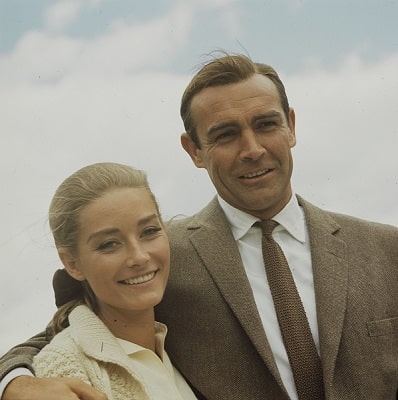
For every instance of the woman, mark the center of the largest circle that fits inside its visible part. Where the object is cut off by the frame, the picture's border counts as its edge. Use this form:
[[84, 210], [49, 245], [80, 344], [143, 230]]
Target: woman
[[111, 240]]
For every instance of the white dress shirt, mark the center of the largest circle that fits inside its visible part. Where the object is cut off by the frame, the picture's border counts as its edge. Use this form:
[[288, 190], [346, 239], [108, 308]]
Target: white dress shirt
[[292, 236]]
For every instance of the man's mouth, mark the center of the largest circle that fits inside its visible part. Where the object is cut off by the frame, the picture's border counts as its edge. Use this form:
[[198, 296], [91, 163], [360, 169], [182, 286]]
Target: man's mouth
[[139, 279], [255, 174]]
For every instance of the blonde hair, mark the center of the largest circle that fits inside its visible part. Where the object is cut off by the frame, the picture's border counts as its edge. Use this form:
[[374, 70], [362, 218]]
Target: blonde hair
[[74, 194]]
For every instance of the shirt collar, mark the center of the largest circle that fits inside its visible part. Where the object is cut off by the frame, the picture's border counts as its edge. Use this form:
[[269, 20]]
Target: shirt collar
[[160, 334], [291, 218]]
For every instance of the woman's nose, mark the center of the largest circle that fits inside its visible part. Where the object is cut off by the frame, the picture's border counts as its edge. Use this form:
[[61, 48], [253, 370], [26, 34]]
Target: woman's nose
[[137, 255]]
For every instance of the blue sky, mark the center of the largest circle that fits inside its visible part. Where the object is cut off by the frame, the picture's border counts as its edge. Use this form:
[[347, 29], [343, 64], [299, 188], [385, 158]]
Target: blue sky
[[83, 81], [290, 33]]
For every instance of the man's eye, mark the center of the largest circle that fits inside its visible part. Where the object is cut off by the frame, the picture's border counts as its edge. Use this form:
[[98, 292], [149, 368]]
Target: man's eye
[[266, 124], [225, 135]]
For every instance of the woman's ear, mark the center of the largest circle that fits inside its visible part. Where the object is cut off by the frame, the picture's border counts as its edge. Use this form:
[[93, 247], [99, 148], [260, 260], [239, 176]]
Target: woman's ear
[[71, 264]]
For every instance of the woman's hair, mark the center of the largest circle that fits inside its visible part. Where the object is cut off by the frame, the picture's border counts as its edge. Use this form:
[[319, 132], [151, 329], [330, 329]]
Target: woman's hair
[[226, 70], [74, 194]]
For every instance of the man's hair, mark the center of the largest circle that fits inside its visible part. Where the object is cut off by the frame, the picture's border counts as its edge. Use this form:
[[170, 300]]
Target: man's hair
[[222, 71]]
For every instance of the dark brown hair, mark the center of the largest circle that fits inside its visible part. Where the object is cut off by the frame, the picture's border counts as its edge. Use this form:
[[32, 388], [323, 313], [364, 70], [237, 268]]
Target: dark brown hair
[[221, 71]]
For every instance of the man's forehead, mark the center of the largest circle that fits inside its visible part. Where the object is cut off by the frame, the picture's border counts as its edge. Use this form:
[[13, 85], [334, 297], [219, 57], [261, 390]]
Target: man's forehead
[[229, 107], [257, 89]]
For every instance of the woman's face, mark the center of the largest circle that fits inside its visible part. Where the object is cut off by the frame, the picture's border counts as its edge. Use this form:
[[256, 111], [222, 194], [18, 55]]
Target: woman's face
[[123, 252]]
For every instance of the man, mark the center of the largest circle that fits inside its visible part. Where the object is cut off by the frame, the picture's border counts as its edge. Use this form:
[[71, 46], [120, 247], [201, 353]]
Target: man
[[225, 330]]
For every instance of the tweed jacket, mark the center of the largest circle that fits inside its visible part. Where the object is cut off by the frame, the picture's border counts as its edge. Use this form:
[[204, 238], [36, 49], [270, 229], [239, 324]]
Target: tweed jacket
[[215, 333]]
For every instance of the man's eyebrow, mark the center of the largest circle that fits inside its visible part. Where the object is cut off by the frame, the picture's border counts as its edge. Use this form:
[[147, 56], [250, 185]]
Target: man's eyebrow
[[217, 127], [267, 115], [228, 124]]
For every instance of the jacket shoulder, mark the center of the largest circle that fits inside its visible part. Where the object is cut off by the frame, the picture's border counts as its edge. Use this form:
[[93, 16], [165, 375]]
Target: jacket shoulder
[[178, 226], [351, 228]]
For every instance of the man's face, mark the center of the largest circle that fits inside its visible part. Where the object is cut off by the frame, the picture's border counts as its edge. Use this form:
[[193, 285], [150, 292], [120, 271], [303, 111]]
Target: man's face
[[246, 144]]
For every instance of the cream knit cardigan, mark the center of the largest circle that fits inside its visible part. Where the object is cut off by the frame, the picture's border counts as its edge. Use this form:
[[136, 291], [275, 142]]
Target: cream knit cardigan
[[87, 350]]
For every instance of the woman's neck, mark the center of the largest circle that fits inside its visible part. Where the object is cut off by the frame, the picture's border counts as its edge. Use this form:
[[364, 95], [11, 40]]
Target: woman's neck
[[135, 327]]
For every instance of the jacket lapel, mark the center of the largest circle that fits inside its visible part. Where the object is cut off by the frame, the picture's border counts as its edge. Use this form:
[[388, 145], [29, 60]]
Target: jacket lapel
[[330, 268], [212, 238]]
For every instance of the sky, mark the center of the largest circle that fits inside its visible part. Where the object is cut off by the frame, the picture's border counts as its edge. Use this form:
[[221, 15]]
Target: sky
[[85, 81]]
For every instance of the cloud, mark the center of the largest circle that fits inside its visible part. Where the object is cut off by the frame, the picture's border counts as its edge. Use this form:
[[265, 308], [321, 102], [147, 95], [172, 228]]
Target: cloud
[[230, 18], [211, 4], [127, 47], [60, 14], [346, 136], [94, 3], [228, 12]]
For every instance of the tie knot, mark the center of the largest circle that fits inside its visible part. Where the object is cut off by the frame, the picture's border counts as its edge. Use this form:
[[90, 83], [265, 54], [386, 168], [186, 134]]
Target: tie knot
[[268, 226]]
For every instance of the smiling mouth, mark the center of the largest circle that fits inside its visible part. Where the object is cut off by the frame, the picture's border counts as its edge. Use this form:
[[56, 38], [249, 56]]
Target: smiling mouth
[[139, 279], [255, 174]]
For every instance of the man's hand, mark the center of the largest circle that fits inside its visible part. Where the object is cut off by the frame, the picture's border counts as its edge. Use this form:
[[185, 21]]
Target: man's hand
[[31, 388]]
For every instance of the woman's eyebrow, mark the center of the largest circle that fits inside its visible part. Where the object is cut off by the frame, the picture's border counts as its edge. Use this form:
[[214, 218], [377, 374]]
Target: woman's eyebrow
[[102, 232], [148, 218]]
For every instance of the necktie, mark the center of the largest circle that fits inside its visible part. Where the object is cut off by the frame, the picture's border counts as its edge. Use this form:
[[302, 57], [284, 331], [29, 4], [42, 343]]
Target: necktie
[[297, 337]]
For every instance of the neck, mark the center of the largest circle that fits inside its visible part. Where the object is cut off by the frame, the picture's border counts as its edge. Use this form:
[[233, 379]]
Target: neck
[[135, 327]]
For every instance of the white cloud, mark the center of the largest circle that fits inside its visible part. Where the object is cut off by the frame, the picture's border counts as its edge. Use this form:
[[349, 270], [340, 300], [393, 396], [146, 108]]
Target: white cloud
[[218, 3], [94, 3], [230, 18], [41, 56], [345, 157], [60, 14], [229, 12]]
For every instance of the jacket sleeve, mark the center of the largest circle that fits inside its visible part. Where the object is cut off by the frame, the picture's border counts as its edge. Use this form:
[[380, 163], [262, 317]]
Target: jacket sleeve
[[22, 354]]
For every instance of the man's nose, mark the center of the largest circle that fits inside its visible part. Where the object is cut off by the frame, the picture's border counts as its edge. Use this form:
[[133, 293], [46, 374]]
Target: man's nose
[[251, 148]]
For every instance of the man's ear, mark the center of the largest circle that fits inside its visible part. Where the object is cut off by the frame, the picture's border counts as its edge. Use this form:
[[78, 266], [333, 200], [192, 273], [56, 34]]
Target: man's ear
[[70, 264], [292, 127], [193, 151]]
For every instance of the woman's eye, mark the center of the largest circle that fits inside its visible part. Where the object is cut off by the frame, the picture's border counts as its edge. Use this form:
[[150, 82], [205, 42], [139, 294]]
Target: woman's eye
[[107, 246], [151, 231]]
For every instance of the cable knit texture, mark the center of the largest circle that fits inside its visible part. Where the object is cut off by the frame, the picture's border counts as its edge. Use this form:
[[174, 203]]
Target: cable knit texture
[[87, 350]]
